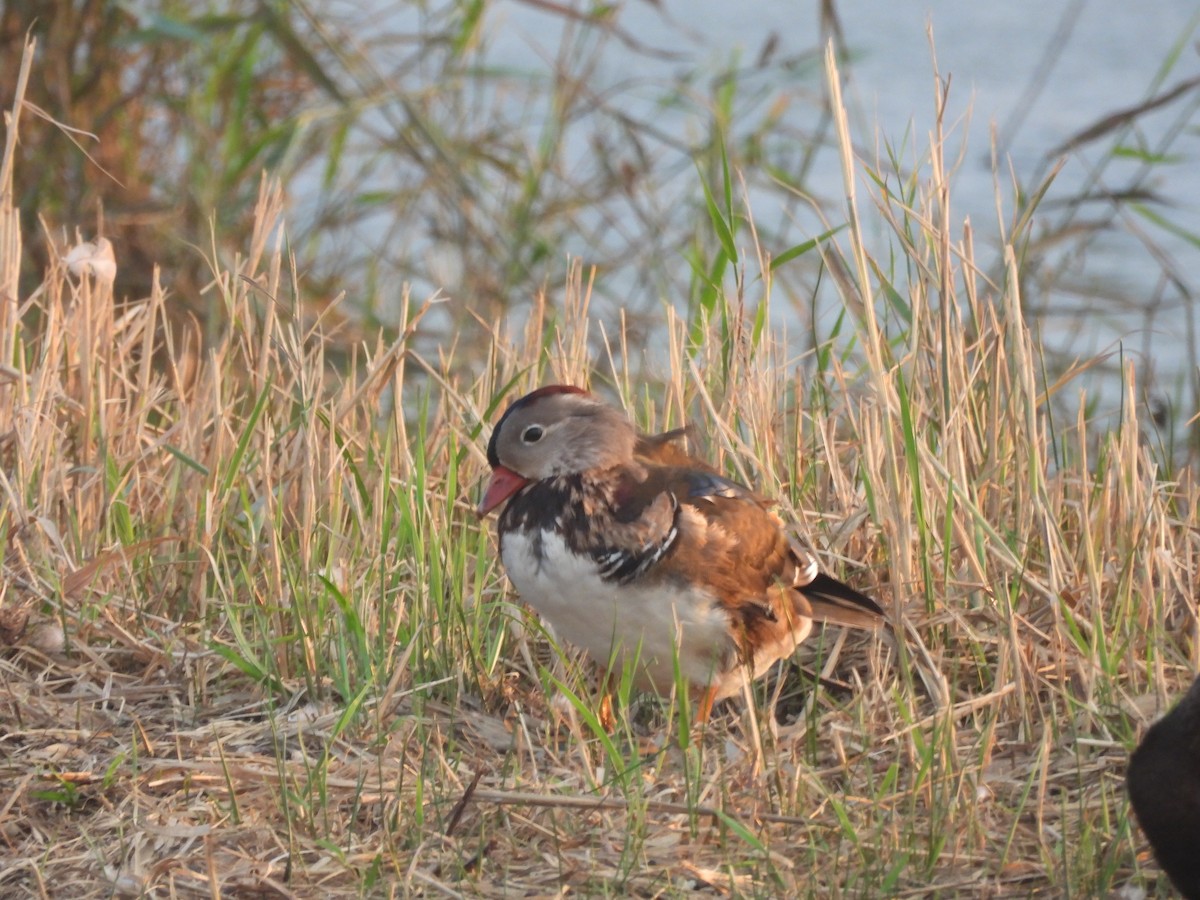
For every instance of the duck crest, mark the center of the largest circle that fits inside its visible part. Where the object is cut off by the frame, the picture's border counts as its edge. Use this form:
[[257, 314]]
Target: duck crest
[[493, 456]]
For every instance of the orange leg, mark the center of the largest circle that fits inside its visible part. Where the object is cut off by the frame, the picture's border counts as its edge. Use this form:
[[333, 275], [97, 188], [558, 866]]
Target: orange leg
[[607, 712], [608, 718], [704, 710]]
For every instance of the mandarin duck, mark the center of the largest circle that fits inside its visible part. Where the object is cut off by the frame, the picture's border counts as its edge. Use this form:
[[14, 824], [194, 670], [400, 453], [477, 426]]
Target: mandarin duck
[[633, 550]]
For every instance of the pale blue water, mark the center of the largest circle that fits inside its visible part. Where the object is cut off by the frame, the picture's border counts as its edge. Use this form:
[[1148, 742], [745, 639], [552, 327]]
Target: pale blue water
[[1104, 55], [660, 73]]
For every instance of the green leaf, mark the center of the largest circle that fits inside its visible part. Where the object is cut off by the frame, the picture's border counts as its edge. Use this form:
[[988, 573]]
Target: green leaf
[[234, 466], [723, 228], [800, 249]]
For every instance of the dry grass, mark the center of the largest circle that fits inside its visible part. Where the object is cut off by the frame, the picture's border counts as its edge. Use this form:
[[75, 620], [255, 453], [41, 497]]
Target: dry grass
[[256, 643]]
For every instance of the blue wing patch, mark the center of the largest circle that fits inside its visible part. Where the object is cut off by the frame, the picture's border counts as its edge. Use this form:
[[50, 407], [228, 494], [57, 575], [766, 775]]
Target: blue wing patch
[[703, 485]]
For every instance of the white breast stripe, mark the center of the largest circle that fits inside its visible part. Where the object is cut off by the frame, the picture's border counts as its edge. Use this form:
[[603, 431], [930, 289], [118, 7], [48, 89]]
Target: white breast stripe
[[568, 590]]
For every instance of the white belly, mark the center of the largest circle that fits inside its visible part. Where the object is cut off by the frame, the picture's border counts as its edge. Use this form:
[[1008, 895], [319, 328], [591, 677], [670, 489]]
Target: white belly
[[650, 624]]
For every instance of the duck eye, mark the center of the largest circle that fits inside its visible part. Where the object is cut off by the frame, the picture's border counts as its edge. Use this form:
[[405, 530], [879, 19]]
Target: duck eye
[[532, 434]]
